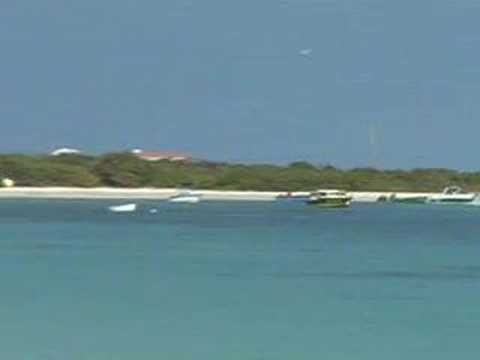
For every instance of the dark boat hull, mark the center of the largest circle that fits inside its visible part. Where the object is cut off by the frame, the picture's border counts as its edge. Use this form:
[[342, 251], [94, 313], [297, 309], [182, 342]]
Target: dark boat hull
[[329, 203]]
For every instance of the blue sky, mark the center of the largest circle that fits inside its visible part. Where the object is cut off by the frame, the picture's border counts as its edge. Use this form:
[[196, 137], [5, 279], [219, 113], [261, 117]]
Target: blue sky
[[252, 81]]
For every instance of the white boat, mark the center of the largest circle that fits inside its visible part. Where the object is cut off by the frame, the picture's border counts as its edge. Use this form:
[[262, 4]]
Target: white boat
[[330, 198], [364, 197], [452, 195], [185, 198], [123, 208]]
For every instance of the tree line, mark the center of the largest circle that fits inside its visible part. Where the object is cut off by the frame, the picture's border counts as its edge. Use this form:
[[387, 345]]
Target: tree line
[[127, 170]]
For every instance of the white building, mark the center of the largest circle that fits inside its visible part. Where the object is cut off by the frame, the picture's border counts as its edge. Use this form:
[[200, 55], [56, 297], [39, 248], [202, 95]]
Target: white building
[[65, 151], [8, 183]]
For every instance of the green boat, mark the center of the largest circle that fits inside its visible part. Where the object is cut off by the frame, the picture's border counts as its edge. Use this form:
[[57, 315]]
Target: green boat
[[409, 199], [330, 199]]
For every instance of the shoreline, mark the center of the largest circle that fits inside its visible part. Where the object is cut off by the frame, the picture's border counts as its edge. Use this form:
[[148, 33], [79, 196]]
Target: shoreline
[[70, 193]]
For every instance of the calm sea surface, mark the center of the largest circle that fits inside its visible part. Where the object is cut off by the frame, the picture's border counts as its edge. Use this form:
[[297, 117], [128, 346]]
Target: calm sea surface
[[231, 281]]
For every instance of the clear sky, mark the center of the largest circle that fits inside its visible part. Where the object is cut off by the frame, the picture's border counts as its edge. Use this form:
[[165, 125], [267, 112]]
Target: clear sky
[[346, 82]]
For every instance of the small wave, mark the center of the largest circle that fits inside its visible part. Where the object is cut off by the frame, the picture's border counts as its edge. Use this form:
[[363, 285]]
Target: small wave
[[305, 52], [403, 275]]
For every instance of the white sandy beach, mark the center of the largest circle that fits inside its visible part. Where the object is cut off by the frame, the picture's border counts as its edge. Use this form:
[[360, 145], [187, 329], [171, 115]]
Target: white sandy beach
[[159, 194], [123, 193]]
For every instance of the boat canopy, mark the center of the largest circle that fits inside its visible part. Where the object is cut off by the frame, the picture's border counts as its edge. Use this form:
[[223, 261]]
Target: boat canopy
[[326, 192], [453, 190]]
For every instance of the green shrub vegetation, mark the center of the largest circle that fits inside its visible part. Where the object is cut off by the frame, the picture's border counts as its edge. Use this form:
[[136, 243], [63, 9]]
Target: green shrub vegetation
[[126, 170]]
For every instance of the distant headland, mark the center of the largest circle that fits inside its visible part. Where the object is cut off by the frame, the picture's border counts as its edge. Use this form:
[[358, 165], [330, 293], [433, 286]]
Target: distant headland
[[143, 169]]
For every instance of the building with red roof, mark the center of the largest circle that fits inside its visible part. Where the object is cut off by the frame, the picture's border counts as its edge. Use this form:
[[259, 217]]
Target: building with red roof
[[159, 156]]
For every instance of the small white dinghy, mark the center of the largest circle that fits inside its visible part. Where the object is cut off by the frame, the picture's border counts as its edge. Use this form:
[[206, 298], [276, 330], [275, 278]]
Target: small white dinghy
[[185, 198], [123, 208]]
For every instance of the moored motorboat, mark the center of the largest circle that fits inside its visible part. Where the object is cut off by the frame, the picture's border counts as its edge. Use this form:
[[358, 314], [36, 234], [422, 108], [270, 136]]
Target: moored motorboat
[[330, 198], [185, 198], [453, 195]]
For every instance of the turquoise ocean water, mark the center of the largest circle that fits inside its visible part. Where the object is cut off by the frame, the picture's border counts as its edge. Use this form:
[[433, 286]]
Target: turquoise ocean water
[[239, 281]]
